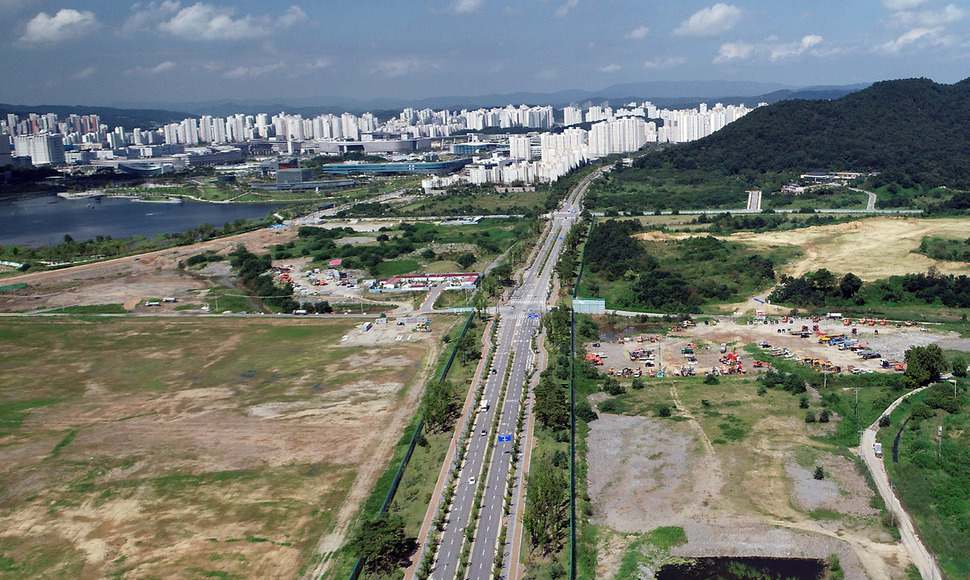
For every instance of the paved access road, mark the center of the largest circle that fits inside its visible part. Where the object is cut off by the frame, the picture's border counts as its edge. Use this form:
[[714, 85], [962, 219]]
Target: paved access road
[[754, 201], [520, 320], [921, 557]]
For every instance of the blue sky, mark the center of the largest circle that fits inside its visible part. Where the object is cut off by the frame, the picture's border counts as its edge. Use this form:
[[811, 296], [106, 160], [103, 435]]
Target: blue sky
[[113, 51]]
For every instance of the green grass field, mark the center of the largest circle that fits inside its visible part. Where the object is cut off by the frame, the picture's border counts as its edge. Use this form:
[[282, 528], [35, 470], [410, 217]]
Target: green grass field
[[840, 199], [484, 202], [414, 248], [90, 309], [646, 190], [932, 474], [722, 268]]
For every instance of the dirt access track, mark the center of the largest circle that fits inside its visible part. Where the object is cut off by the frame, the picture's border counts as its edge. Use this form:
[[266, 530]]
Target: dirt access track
[[871, 248], [181, 447], [130, 279]]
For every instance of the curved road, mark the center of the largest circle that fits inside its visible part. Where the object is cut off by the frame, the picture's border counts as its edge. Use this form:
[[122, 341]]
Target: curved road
[[918, 553]]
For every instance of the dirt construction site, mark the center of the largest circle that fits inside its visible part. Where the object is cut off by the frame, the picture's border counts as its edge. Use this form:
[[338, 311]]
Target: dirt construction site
[[733, 466], [149, 447], [719, 346], [132, 279]]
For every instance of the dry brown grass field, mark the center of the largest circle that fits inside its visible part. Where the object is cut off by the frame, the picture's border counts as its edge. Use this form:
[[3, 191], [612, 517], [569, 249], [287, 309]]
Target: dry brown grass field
[[193, 448]]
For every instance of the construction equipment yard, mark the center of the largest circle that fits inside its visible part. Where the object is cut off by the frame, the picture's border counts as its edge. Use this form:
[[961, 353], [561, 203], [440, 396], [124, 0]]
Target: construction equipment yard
[[728, 464], [720, 343]]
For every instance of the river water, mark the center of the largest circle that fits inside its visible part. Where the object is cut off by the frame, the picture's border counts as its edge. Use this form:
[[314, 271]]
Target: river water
[[36, 220]]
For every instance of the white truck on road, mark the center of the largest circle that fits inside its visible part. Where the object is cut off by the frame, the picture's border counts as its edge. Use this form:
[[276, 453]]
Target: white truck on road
[[877, 449]]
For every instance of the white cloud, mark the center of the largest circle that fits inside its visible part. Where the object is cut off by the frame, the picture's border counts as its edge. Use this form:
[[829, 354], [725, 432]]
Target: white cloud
[[320, 63], [206, 22], [710, 21], [638, 33], [65, 24], [145, 16], [84, 73], [159, 68], [294, 15], [610, 68], [566, 7], [922, 36], [902, 4], [398, 67], [787, 50], [466, 6], [731, 51], [663, 62], [949, 14], [251, 72]]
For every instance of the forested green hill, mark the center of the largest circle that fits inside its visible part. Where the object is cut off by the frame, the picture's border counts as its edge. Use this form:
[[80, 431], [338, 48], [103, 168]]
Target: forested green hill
[[913, 131]]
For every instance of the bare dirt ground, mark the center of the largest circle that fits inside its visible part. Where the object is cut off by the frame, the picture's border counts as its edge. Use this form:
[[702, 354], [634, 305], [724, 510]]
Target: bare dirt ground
[[870, 248], [843, 489], [129, 280], [749, 496], [891, 342], [639, 459], [186, 448]]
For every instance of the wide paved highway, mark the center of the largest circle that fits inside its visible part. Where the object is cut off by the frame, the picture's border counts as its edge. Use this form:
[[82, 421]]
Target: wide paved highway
[[520, 321]]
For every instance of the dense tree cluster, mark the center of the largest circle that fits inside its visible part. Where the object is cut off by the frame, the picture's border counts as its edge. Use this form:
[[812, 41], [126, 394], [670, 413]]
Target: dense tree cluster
[[383, 544], [611, 249], [816, 288], [441, 406], [253, 272], [924, 365], [546, 515], [882, 128], [726, 223], [823, 288], [786, 381]]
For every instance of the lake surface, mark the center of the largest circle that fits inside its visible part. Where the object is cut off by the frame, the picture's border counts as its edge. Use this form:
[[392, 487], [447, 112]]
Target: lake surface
[[744, 569], [37, 220]]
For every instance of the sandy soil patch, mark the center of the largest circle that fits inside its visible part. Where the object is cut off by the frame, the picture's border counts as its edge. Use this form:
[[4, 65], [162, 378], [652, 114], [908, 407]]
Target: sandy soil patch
[[870, 248], [131, 279], [636, 459], [843, 490]]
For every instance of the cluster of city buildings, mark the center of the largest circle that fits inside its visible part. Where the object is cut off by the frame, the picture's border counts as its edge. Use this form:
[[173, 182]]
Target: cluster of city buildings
[[538, 148]]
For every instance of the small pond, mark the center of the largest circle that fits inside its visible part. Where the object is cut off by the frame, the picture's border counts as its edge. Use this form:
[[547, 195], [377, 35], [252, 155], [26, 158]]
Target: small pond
[[744, 569]]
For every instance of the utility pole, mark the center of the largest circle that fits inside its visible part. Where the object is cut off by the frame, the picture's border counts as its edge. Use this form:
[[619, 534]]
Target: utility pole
[[856, 410]]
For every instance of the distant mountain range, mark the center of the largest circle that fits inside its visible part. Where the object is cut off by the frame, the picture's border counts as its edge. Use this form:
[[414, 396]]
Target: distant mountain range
[[912, 131], [662, 93]]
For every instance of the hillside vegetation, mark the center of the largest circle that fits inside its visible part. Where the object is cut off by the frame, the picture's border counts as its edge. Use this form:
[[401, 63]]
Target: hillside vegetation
[[911, 131]]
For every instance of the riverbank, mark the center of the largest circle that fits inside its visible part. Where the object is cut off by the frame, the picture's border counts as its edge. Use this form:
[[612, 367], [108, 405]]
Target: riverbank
[[49, 219]]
